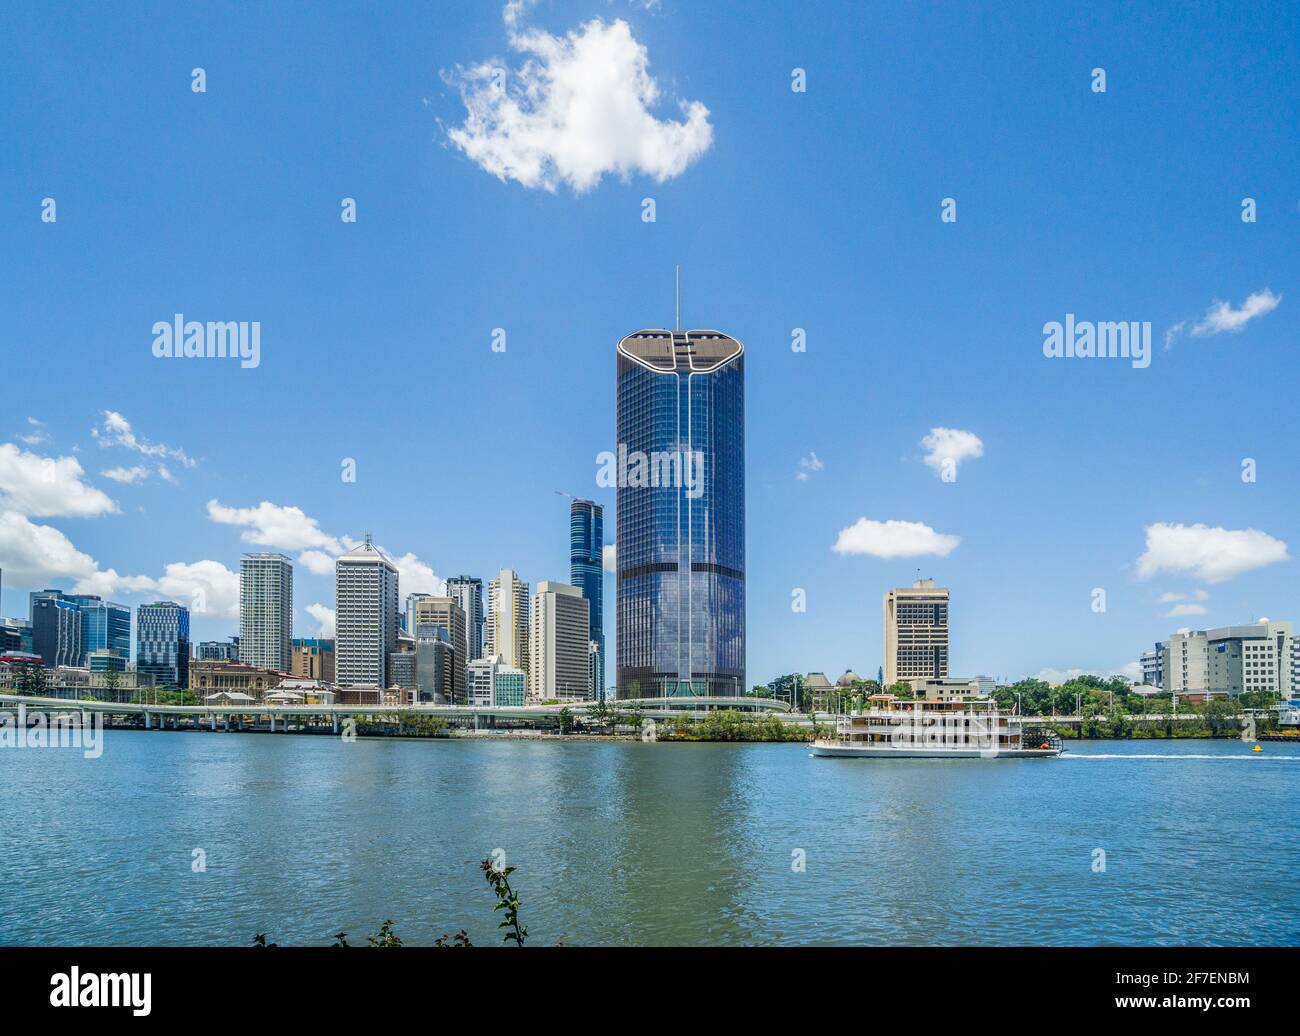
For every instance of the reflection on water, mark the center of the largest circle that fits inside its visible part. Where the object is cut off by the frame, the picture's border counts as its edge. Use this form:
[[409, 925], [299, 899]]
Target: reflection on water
[[634, 843]]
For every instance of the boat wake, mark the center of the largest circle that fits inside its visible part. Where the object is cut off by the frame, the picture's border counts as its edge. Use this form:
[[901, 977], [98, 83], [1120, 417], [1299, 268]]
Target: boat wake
[[1258, 757]]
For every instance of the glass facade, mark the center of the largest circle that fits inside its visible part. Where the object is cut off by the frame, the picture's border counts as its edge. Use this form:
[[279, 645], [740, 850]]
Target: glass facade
[[587, 573], [681, 515], [163, 643]]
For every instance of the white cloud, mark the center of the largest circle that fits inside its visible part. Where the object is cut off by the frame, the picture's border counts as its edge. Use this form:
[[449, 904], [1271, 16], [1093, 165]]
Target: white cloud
[[127, 476], [32, 554], [894, 539], [207, 588], [951, 446], [1169, 598], [47, 487], [1222, 317], [415, 577], [578, 108], [1179, 610], [324, 616], [1056, 677], [609, 557], [1172, 332], [1209, 554], [317, 562], [117, 431], [808, 465], [271, 525]]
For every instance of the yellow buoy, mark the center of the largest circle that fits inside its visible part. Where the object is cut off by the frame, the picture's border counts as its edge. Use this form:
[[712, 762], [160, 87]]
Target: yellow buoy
[[1257, 748]]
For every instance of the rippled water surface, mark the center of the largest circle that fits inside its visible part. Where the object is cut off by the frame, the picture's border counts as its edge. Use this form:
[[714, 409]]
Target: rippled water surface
[[631, 843]]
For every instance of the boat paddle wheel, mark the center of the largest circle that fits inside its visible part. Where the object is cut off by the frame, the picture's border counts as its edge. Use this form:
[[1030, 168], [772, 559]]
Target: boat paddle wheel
[[1040, 737]]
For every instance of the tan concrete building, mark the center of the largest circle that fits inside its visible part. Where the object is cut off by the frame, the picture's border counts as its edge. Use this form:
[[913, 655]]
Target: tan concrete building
[[559, 644], [446, 613], [313, 659], [916, 632]]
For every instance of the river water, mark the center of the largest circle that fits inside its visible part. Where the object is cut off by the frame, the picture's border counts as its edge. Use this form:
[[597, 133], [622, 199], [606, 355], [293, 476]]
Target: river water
[[1132, 842]]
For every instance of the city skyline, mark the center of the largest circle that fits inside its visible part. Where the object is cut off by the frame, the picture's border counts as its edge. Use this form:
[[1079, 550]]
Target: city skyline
[[917, 332]]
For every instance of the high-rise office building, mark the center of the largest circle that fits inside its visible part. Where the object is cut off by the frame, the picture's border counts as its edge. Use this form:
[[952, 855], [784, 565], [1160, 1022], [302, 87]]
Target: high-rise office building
[[105, 626], [365, 616], [266, 611], [508, 607], [468, 592], [408, 616], [559, 641], [162, 634], [444, 613], [680, 476], [435, 666], [916, 632], [587, 573], [56, 629]]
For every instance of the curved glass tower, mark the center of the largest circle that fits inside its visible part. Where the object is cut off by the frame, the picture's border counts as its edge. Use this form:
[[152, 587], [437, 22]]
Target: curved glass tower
[[680, 415]]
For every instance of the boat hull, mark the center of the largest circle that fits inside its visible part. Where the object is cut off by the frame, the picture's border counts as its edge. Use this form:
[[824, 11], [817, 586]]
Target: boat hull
[[832, 750]]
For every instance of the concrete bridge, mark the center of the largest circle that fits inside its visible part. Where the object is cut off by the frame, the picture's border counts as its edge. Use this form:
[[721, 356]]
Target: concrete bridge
[[316, 717]]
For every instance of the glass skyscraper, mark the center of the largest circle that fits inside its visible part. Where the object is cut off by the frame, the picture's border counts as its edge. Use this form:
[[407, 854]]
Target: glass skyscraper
[[163, 643], [587, 573], [680, 417]]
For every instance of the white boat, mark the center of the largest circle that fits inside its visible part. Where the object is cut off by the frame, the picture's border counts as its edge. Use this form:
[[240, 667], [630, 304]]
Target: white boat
[[956, 728]]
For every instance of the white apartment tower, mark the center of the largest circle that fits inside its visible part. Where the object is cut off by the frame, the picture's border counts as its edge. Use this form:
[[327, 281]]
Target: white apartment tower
[[508, 604], [916, 632], [266, 611], [559, 644], [365, 604]]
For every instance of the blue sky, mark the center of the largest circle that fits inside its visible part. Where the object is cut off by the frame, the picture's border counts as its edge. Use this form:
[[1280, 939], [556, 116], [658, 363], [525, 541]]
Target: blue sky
[[818, 210]]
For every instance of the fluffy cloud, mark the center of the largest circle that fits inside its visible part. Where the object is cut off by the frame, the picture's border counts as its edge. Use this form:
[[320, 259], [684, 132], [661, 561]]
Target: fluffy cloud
[[948, 447], [318, 563], [207, 588], [1179, 610], [47, 487], [577, 109], [324, 616], [116, 431], [32, 554], [271, 525], [1222, 317], [808, 465], [415, 577], [894, 539], [1208, 554], [609, 557]]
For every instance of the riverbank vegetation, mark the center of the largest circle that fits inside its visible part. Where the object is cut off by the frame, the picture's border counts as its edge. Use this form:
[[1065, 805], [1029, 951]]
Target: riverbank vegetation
[[730, 725], [508, 902]]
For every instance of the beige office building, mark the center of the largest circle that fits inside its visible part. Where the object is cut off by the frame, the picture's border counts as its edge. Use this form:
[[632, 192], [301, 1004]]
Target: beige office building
[[559, 644], [916, 632], [508, 625], [447, 614]]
